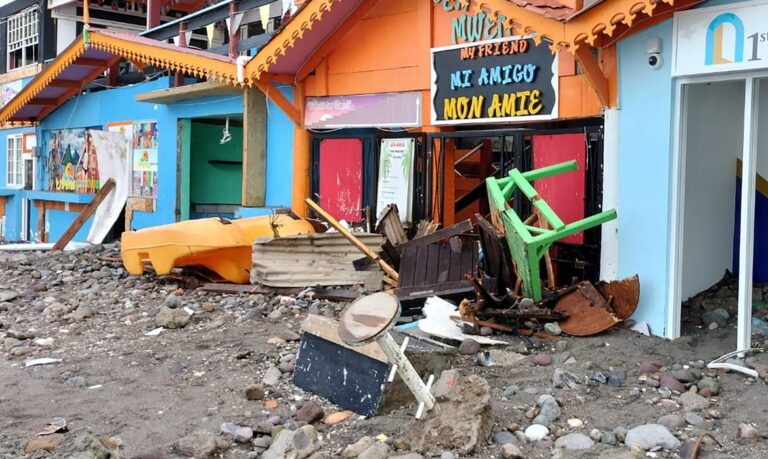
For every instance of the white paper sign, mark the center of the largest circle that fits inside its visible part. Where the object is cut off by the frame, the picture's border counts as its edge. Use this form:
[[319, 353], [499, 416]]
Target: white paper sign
[[395, 184], [721, 39]]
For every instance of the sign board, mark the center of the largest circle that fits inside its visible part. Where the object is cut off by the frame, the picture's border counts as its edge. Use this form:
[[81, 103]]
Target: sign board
[[395, 185], [401, 109], [721, 39], [502, 80]]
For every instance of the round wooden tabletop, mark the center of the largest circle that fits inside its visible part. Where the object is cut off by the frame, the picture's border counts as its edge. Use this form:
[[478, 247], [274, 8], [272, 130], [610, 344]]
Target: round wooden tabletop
[[367, 318]]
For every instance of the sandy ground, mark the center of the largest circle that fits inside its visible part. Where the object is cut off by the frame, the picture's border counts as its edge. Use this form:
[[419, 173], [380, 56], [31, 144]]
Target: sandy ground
[[152, 390]]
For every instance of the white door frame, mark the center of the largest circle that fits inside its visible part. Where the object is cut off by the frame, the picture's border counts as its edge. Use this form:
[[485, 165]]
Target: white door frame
[[749, 169]]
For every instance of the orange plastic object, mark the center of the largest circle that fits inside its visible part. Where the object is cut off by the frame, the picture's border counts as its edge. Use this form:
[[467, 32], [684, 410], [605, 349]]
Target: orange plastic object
[[223, 246]]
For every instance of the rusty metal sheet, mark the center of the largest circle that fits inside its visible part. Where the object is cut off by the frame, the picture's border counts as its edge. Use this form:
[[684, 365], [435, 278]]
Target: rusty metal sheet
[[624, 295], [587, 313]]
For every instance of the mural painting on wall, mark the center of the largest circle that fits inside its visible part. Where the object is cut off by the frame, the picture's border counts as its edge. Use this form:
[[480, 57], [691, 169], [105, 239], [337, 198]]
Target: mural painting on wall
[[9, 91], [145, 156], [73, 163]]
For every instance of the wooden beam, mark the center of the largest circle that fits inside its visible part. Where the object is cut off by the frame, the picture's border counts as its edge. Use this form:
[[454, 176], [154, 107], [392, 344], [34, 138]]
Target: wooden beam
[[43, 102], [280, 78], [66, 84], [274, 94], [190, 91], [89, 62], [84, 215], [336, 37], [594, 74], [254, 148]]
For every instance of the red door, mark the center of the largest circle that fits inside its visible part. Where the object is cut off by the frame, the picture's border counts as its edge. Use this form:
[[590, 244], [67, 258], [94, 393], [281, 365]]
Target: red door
[[565, 193], [341, 178]]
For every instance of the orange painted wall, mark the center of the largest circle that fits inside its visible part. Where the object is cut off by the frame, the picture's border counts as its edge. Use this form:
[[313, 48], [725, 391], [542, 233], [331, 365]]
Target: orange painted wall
[[389, 51]]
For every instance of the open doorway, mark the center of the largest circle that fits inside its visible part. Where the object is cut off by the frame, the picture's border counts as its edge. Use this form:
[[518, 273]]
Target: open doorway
[[719, 251], [215, 166]]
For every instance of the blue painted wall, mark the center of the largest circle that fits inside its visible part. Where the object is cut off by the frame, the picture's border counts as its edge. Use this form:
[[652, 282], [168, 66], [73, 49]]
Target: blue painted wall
[[100, 108], [645, 129], [12, 221]]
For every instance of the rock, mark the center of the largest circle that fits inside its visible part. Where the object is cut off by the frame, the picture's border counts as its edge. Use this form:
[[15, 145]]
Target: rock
[[574, 441], [275, 315], [272, 376], [541, 420], [310, 412], [694, 419], [649, 436], [7, 296], [672, 421], [276, 341], [609, 438], [553, 328], [255, 392], [550, 409], [335, 418], [542, 360], [595, 434], [289, 335], [172, 318], [287, 367], [80, 314], [298, 444], [747, 432], [504, 437], [713, 326], [564, 379], [77, 382], [649, 367], [536, 432], [575, 423], [510, 391], [668, 381], [238, 433], [48, 443], [358, 447], [20, 351], [9, 343], [173, 301], [719, 316], [510, 451], [684, 375], [378, 450], [469, 347], [693, 402], [621, 433], [709, 384], [199, 444], [462, 424], [486, 331], [616, 378]]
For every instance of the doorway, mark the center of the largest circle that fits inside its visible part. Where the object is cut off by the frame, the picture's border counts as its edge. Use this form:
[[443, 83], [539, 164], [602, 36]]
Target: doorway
[[720, 163]]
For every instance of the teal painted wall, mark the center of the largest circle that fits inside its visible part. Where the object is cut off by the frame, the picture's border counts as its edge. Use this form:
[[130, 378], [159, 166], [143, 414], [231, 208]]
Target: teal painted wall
[[212, 182]]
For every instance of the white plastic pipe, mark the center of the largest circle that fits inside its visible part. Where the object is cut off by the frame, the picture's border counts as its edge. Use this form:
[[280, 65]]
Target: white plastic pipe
[[241, 61]]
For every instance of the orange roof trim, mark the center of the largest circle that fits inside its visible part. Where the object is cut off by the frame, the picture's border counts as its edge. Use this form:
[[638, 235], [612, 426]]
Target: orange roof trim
[[596, 26], [86, 59]]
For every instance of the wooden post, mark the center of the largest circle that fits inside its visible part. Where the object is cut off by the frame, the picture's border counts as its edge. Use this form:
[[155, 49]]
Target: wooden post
[[153, 13], [178, 78], [84, 215], [254, 148], [234, 33]]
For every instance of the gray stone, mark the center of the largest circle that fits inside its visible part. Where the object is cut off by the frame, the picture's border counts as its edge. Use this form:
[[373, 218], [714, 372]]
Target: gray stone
[[542, 360], [198, 444], [650, 436], [9, 343], [407, 456], [77, 382], [238, 433], [541, 420], [272, 376], [672, 421], [747, 432], [616, 378], [531, 390], [510, 451], [503, 437], [694, 419], [553, 328], [289, 335], [172, 318], [469, 347], [595, 434], [511, 390], [574, 441], [684, 375], [378, 450], [447, 455], [668, 381], [693, 402], [564, 379], [298, 444], [719, 316], [609, 438], [549, 407], [255, 392], [709, 384], [172, 301], [358, 447]]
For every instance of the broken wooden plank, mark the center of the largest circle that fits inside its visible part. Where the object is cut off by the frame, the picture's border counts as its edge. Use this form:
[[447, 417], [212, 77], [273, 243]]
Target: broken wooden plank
[[233, 288], [437, 236], [328, 329], [390, 225], [425, 228], [332, 294], [442, 289], [84, 215], [373, 255]]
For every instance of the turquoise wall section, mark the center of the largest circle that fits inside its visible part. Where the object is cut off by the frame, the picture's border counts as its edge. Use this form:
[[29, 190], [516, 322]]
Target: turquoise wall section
[[216, 170], [645, 143], [12, 224]]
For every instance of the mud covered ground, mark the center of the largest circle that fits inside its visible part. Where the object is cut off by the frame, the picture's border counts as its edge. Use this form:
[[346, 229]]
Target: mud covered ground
[[125, 394]]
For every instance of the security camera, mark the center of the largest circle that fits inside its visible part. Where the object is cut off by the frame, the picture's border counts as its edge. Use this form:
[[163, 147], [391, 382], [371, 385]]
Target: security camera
[[655, 61]]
